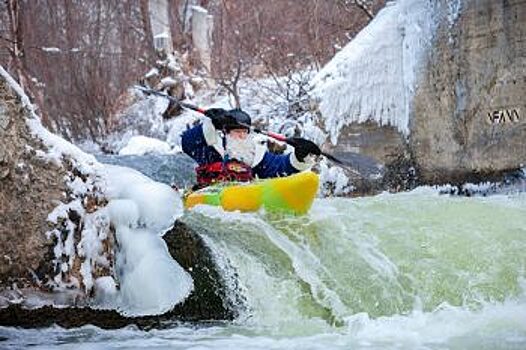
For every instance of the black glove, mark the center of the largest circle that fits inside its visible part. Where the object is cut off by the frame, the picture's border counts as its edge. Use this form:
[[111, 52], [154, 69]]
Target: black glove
[[219, 117], [303, 148]]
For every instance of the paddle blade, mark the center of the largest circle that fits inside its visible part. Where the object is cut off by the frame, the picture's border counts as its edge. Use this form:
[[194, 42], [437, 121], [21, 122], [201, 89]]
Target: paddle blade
[[340, 162]]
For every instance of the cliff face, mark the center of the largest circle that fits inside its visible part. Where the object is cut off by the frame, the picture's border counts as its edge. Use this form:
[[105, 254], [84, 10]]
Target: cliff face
[[469, 109], [30, 187], [436, 94]]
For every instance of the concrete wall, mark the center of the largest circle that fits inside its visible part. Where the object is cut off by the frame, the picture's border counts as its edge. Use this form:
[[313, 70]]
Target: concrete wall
[[470, 107], [467, 117]]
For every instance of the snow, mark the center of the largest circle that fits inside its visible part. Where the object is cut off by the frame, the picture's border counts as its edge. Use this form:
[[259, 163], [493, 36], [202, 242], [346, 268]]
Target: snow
[[61, 211], [163, 35], [141, 145], [178, 125], [173, 63], [153, 72], [105, 290], [91, 245], [168, 81], [142, 118], [333, 181], [454, 11], [151, 281], [51, 49], [123, 212], [79, 187], [141, 211], [158, 204], [58, 148], [199, 9], [374, 76]]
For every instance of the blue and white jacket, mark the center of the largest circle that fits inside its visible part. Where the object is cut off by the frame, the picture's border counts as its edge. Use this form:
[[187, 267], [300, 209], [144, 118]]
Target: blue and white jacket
[[205, 145]]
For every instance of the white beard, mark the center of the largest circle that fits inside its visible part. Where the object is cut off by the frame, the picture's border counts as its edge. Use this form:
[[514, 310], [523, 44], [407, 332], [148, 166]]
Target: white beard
[[241, 150]]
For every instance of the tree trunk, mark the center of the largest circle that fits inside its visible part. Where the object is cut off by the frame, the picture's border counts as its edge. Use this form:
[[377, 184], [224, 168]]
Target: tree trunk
[[146, 24], [17, 51]]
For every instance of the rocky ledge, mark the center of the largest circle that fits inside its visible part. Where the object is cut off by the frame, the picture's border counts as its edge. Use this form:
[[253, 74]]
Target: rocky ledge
[[211, 300]]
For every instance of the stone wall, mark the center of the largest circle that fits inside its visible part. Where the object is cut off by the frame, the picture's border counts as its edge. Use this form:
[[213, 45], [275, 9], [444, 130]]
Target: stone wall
[[469, 110], [379, 157]]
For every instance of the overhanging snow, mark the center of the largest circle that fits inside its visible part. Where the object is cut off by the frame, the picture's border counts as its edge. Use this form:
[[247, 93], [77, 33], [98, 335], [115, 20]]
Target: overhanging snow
[[373, 77]]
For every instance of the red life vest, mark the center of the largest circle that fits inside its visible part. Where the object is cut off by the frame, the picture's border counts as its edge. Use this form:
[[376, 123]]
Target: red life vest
[[233, 170]]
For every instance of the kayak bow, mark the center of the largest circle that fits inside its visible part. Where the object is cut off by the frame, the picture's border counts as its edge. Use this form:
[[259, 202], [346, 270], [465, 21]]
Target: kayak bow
[[292, 194]]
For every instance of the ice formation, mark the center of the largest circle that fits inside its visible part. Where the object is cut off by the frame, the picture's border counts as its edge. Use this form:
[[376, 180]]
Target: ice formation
[[375, 75]]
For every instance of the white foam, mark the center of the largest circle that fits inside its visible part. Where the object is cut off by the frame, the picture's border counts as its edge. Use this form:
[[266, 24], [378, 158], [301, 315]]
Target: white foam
[[441, 326]]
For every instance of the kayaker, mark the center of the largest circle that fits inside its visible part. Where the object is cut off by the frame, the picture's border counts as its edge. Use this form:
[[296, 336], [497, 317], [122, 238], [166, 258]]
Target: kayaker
[[225, 150]]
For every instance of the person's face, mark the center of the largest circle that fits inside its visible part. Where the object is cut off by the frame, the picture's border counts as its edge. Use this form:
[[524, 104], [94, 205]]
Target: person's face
[[239, 134]]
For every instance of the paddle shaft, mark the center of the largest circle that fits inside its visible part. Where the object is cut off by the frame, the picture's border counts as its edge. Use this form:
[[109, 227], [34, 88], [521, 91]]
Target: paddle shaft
[[282, 138], [270, 134]]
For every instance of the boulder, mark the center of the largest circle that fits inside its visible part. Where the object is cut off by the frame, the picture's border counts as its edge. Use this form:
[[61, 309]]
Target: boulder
[[30, 187], [212, 299], [50, 196]]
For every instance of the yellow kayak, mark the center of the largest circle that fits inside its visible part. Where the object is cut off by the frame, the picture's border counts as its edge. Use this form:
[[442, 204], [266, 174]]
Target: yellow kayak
[[291, 194]]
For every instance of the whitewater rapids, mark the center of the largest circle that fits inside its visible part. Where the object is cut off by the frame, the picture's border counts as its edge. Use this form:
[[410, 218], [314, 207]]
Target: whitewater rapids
[[413, 270]]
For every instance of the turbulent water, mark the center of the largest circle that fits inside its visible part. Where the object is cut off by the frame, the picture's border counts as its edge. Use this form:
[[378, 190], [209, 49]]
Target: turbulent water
[[414, 270]]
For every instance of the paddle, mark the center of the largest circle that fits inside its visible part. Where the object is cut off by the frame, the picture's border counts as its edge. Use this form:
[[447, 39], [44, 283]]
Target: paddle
[[270, 134]]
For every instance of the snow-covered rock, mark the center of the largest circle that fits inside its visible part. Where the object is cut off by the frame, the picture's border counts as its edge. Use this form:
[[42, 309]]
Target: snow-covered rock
[[89, 207]]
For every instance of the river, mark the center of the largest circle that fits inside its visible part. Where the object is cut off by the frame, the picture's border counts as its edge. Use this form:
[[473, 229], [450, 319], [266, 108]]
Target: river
[[414, 270]]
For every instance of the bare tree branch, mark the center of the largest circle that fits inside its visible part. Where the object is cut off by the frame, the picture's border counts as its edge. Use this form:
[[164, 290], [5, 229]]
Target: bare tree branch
[[361, 4]]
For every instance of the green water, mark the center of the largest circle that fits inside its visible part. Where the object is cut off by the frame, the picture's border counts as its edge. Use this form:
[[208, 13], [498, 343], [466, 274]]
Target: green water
[[384, 256], [407, 271]]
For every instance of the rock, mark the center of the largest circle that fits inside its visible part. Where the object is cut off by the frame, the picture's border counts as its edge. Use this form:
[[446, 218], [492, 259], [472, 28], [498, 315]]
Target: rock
[[375, 152], [470, 112], [17, 316], [43, 225], [4, 119], [29, 190], [211, 300]]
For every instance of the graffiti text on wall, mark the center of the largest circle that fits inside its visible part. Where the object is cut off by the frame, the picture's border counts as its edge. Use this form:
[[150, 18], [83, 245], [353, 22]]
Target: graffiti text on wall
[[504, 116]]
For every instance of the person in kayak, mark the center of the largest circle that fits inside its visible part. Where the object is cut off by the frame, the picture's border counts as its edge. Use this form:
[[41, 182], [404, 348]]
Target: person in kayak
[[225, 150]]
